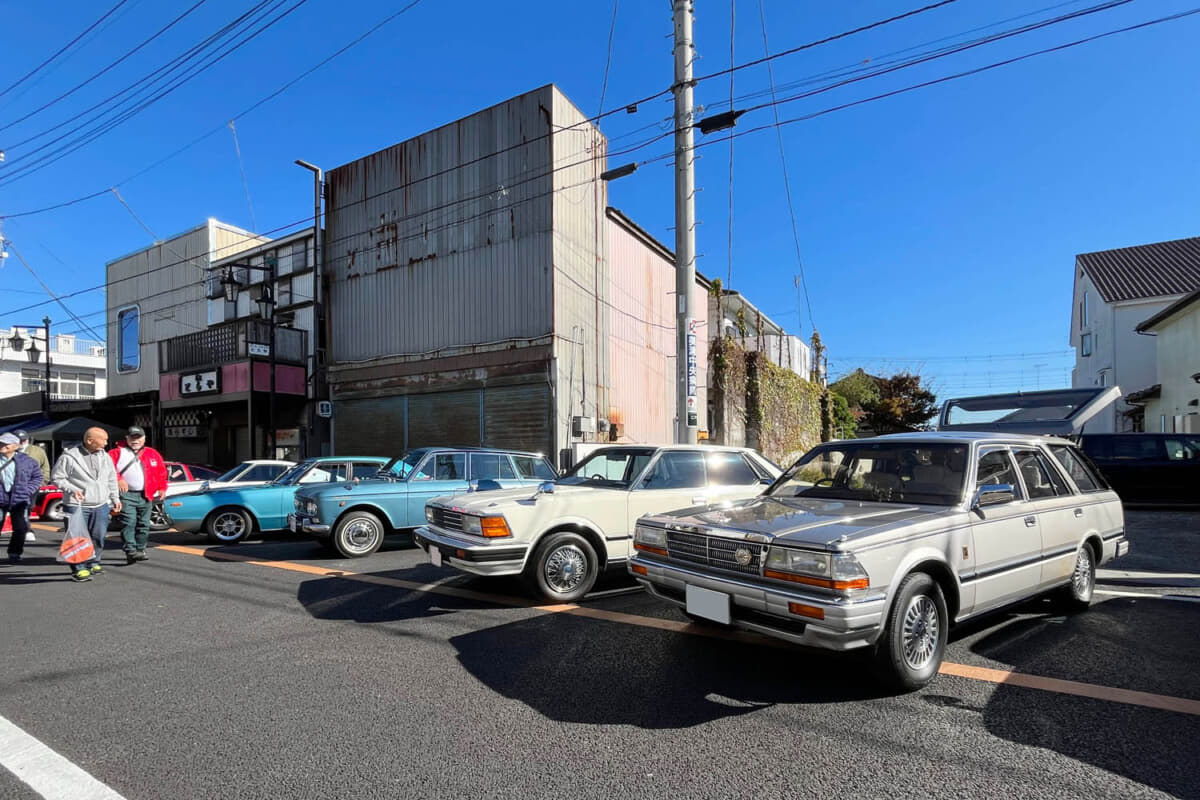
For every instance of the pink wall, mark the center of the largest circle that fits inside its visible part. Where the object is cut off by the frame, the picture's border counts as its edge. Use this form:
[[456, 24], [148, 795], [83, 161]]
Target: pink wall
[[642, 339], [235, 378]]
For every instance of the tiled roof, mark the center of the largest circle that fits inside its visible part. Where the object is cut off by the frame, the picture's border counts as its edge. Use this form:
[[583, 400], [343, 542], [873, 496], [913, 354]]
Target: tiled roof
[[1148, 270]]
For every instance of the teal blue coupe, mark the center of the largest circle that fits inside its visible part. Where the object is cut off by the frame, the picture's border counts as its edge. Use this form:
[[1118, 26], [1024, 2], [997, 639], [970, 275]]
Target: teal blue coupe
[[230, 515], [353, 518]]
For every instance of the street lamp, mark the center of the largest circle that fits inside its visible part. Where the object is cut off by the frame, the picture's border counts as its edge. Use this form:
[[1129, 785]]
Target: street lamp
[[266, 310], [17, 343]]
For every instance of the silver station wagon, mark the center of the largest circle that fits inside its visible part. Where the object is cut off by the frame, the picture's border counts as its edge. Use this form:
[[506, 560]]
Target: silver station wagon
[[883, 543]]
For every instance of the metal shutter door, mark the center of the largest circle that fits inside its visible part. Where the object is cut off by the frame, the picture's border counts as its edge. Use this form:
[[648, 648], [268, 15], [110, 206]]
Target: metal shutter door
[[369, 427], [447, 419], [518, 417]]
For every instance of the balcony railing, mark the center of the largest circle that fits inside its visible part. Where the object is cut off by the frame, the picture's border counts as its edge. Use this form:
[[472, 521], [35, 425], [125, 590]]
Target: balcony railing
[[229, 342]]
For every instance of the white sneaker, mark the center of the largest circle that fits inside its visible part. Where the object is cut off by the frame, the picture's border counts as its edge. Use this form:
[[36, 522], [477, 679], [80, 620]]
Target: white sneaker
[[29, 537]]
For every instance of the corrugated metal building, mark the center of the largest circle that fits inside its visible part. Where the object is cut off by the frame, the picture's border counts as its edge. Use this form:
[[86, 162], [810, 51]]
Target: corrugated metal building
[[469, 283]]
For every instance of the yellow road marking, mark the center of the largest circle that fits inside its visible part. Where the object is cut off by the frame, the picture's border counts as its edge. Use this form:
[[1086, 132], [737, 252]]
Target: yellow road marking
[[1161, 702]]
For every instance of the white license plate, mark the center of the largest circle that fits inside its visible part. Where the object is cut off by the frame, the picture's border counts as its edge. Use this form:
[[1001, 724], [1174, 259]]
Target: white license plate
[[435, 555], [292, 523], [708, 604]]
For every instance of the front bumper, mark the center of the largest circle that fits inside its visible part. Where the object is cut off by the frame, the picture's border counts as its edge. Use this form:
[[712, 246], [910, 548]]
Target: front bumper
[[849, 623], [302, 523], [499, 558]]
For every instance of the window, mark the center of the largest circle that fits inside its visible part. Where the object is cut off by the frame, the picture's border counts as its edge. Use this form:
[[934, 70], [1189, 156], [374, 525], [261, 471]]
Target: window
[[363, 472], [450, 467], [677, 469], [530, 467], [1104, 377], [129, 357], [263, 472], [1085, 311], [1135, 448], [283, 293], [1162, 423], [175, 473], [996, 468], [204, 474], [318, 475], [729, 469], [1085, 344], [1036, 474], [33, 380], [485, 466], [1081, 470]]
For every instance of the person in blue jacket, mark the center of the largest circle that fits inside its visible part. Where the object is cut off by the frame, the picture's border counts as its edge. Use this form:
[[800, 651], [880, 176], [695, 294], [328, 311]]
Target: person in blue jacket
[[20, 478]]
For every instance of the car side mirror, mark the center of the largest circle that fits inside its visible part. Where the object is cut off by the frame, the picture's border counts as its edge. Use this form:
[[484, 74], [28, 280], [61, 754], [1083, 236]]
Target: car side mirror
[[994, 494], [766, 481], [546, 487]]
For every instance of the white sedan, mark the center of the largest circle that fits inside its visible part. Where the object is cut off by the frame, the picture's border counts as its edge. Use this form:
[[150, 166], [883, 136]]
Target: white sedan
[[561, 536], [248, 473]]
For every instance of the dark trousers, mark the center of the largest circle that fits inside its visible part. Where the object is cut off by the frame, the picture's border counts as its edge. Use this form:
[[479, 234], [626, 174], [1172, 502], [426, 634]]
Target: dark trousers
[[135, 521], [97, 522], [19, 514]]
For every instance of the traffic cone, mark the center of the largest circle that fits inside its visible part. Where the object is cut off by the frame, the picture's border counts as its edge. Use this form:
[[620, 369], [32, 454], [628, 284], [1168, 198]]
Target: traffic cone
[[7, 524]]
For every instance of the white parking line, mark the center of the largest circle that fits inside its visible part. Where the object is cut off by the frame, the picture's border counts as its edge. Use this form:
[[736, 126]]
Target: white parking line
[[46, 772]]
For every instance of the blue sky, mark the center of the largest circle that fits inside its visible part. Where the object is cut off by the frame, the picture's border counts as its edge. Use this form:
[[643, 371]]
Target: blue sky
[[937, 229]]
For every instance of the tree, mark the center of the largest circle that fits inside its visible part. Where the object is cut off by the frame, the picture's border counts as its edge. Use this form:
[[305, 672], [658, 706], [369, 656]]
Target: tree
[[845, 423], [903, 404], [858, 388]]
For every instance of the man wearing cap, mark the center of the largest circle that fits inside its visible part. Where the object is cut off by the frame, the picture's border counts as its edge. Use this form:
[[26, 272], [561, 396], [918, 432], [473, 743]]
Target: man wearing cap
[[39, 455], [87, 478], [20, 478], [142, 478]]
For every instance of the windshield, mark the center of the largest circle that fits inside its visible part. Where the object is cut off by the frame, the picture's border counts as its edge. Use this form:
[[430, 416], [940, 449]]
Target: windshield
[[611, 467], [403, 466], [292, 474], [232, 475], [892, 472]]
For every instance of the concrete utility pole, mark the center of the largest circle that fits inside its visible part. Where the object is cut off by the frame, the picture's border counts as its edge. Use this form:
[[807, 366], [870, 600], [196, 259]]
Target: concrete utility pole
[[686, 405]]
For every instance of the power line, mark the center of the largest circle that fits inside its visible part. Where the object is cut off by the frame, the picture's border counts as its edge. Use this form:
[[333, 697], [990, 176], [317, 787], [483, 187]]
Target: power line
[[62, 49], [102, 72], [386, 20], [667, 155], [787, 181], [54, 298], [237, 148], [612, 27], [104, 127]]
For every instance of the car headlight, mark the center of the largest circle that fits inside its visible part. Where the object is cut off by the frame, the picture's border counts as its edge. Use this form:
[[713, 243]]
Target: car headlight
[[838, 571], [650, 540], [310, 507], [429, 514], [492, 527]]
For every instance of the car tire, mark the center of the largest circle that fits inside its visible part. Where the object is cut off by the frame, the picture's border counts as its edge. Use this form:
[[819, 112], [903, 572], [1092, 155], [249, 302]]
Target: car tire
[[563, 568], [52, 512], [228, 525], [158, 519], [913, 643], [1076, 596], [358, 534]]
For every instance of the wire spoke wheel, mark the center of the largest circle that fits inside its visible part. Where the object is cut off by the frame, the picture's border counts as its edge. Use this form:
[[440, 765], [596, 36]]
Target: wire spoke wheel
[[566, 568], [1083, 578]]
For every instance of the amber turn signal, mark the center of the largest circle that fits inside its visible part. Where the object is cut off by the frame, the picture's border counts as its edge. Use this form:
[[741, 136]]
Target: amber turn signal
[[645, 548], [638, 568], [493, 527], [806, 611]]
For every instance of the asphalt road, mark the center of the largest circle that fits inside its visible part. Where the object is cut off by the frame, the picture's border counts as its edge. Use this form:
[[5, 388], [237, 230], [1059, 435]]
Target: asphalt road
[[255, 672]]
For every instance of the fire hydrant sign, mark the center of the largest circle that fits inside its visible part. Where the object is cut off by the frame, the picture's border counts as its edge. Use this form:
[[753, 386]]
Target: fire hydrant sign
[[692, 327]]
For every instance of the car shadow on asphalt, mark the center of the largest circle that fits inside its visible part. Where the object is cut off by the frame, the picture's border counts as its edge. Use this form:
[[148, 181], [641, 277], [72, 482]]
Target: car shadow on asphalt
[[582, 670], [1141, 645]]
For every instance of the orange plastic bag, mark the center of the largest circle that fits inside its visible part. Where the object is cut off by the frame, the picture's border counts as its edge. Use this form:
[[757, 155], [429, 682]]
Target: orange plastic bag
[[76, 547]]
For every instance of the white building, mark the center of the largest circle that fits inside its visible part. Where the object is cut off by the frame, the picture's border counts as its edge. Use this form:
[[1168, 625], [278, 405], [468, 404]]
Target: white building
[[77, 366], [1115, 291]]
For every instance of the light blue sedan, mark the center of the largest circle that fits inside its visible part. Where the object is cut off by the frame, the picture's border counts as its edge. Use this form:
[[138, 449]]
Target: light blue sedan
[[353, 518], [230, 515]]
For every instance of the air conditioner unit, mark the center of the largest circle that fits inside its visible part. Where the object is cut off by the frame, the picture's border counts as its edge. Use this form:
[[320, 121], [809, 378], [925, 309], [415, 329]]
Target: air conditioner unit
[[582, 425]]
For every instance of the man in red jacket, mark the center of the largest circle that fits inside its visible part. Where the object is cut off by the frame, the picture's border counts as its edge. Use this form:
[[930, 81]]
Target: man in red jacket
[[142, 479]]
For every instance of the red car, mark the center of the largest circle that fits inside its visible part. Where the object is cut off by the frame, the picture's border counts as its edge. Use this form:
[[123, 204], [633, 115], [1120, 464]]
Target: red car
[[47, 503]]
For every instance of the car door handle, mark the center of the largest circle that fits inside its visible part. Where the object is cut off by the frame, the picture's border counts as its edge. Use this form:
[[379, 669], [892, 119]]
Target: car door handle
[[1030, 522], [1079, 512]]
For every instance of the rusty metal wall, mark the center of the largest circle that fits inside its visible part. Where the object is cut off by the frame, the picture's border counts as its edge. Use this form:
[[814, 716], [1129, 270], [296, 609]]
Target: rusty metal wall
[[581, 270], [166, 283], [435, 243]]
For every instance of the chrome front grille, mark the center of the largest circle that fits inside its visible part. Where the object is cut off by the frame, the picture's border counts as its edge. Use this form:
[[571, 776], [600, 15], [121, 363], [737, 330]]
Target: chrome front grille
[[714, 551], [445, 518]]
